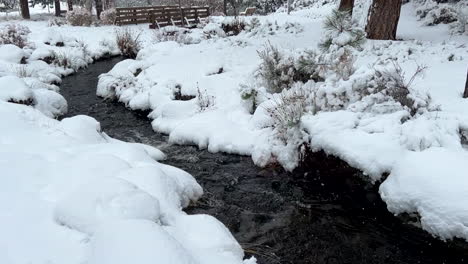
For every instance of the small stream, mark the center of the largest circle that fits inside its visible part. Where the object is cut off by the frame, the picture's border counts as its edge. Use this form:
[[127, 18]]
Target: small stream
[[326, 214]]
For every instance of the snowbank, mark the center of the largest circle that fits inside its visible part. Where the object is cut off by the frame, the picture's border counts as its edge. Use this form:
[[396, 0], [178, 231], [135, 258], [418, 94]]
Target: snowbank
[[81, 196]]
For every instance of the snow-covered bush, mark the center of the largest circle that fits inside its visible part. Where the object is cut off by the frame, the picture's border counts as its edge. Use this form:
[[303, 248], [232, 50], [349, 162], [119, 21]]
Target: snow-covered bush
[[177, 34], [256, 27], [278, 71], [339, 64], [213, 30], [128, 42], [15, 34], [108, 16], [204, 100], [287, 109], [432, 13], [79, 17], [250, 95], [232, 26], [61, 59], [23, 71], [56, 22], [341, 31], [392, 82], [462, 17]]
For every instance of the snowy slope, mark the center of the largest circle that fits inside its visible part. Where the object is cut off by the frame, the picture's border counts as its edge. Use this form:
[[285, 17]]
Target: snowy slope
[[375, 138]]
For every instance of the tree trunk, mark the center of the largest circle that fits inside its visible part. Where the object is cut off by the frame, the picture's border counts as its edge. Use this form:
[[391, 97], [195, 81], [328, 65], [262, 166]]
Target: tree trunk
[[383, 19], [465, 94], [346, 5], [88, 5], [57, 8], [70, 5], [24, 6], [98, 4], [289, 7], [107, 4], [225, 7]]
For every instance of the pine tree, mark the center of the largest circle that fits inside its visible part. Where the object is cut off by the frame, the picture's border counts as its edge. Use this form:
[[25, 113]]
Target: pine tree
[[24, 6], [57, 8], [383, 19], [98, 5]]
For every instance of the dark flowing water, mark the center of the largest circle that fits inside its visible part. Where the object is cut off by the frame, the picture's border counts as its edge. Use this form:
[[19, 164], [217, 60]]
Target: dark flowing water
[[324, 214]]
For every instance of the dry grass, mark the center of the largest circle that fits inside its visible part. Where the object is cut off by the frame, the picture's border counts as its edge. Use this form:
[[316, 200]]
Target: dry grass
[[128, 42]]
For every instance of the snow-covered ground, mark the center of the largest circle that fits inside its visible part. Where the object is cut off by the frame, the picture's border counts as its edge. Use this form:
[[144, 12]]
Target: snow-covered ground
[[70, 193], [422, 152]]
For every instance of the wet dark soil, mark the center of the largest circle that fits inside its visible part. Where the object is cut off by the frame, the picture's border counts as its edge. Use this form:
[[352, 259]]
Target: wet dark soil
[[325, 213]]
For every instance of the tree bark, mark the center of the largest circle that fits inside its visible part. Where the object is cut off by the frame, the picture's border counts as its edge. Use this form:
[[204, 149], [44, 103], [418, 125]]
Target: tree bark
[[57, 8], [98, 4], [70, 5], [24, 6], [465, 94], [383, 19], [346, 5]]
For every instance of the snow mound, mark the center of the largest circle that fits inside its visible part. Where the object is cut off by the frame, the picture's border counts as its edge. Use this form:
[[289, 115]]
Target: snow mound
[[438, 194], [95, 199], [11, 53], [115, 243], [103, 200], [13, 89]]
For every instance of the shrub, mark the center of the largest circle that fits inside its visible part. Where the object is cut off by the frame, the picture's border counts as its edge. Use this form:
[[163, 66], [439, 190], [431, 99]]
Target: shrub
[[61, 59], [287, 109], [341, 31], [339, 62], [233, 26], [177, 34], [15, 34], [128, 42], [108, 16], [79, 17], [279, 71], [212, 30], [23, 71], [204, 100], [58, 22], [392, 82], [249, 94]]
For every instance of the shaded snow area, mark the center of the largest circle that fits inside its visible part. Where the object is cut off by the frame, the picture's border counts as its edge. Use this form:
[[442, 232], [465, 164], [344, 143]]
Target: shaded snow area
[[70, 193], [197, 94]]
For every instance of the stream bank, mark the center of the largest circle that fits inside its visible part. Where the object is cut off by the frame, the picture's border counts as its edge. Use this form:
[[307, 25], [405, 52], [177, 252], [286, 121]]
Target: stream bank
[[323, 214]]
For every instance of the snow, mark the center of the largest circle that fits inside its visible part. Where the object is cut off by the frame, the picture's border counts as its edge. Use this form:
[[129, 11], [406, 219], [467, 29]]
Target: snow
[[370, 132], [14, 89], [11, 53], [115, 244], [95, 199], [72, 194], [80, 195], [437, 193]]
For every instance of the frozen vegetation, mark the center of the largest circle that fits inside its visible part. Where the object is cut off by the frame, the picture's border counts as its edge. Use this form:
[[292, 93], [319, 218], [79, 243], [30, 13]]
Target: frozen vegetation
[[272, 87]]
